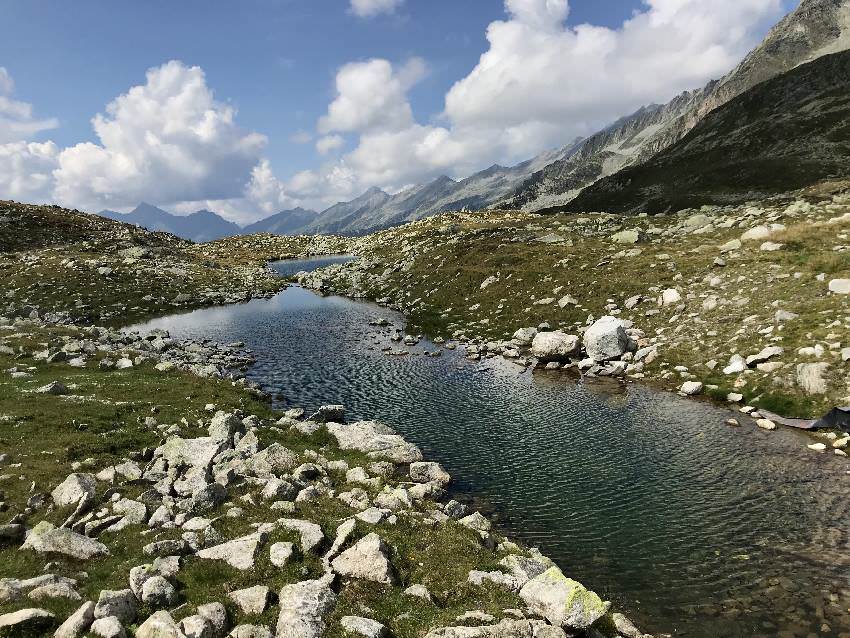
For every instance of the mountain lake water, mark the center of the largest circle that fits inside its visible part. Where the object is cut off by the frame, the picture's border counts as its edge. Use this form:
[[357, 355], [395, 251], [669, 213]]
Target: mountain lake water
[[691, 527]]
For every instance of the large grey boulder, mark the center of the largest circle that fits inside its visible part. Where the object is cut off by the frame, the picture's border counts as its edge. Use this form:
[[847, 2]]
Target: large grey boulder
[[74, 488], [367, 559], [375, 439], [365, 627], [555, 346], [224, 425], [198, 452], [304, 609], [524, 336], [252, 600], [77, 623], [159, 625], [46, 538], [429, 472], [216, 614], [239, 553], [109, 627], [505, 629], [158, 592], [606, 339], [311, 535], [562, 601], [272, 461], [121, 604], [24, 620]]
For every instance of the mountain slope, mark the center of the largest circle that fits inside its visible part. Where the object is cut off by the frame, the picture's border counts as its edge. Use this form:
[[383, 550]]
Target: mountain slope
[[340, 217], [782, 135], [201, 226], [286, 222], [815, 28]]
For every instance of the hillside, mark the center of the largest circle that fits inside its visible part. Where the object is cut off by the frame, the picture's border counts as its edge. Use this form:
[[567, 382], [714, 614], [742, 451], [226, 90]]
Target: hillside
[[286, 222], [785, 134], [815, 28]]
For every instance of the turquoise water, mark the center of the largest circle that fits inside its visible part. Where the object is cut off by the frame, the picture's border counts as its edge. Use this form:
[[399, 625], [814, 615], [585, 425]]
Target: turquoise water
[[694, 528]]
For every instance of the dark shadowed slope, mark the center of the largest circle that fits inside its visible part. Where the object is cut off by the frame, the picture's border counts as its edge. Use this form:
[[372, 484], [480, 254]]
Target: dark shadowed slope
[[785, 134]]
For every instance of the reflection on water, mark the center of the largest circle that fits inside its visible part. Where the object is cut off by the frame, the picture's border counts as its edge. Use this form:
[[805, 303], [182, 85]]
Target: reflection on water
[[695, 528]]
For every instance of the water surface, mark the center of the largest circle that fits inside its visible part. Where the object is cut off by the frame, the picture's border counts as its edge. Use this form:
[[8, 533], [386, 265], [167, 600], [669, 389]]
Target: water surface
[[692, 527]]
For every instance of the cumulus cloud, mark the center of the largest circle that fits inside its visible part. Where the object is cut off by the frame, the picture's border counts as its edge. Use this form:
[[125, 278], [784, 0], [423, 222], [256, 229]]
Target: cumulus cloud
[[370, 8], [541, 83], [26, 171], [17, 122], [167, 140]]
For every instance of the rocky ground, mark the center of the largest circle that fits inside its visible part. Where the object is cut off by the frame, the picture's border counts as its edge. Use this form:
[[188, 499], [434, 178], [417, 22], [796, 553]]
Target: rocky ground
[[749, 304], [148, 489]]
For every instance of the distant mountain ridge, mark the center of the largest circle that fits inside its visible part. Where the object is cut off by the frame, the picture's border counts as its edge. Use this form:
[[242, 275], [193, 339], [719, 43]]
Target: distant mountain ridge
[[286, 222], [201, 226], [814, 29], [784, 134]]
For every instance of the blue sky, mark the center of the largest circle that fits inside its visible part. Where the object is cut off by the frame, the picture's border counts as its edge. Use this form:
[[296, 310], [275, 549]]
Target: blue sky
[[276, 63]]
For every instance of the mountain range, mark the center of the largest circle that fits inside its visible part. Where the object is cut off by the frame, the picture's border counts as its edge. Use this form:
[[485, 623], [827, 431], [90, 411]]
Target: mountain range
[[632, 156]]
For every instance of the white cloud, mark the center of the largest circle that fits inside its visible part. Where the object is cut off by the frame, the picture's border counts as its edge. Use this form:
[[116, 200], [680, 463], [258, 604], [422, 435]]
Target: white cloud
[[166, 141], [301, 137], [330, 143], [16, 118], [370, 8], [26, 171], [372, 96], [539, 85]]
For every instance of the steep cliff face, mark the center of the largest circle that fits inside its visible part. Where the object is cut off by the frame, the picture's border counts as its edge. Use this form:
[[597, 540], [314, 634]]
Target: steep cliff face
[[814, 29], [784, 134]]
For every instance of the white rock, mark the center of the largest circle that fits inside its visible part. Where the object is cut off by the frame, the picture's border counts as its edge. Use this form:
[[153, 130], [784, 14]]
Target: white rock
[[365, 627], [691, 388], [367, 560], [606, 339], [840, 286], [555, 346], [563, 601]]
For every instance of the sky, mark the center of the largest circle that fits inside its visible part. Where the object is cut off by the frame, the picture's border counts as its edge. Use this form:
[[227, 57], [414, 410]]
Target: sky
[[251, 107]]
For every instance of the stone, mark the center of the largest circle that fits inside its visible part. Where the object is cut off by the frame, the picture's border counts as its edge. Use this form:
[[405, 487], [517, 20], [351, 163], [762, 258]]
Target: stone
[[429, 472], [239, 553], [252, 600], [625, 627], [523, 569], [77, 623], [305, 608], [770, 247], [784, 315], [817, 447], [280, 553], [158, 592], [59, 589], [669, 297], [479, 578], [198, 452], [810, 377], [763, 356], [335, 413], [476, 521], [756, 234], [737, 364], [691, 388], [563, 601], [54, 387], [365, 627], [45, 538], [273, 461], [524, 336], [108, 627], [216, 614], [19, 622], [223, 426], [840, 286], [120, 603], [627, 237], [505, 629], [375, 439], [311, 535], [198, 627], [606, 339], [555, 346], [159, 625], [730, 246], [419, 591], [74, 488], [766, 424], [367, 560]]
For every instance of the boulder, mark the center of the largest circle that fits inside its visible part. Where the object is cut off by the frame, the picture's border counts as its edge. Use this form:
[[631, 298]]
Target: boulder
[[840, 286], [158, 592], [691, 388], [280, 553], [45, 538], [19, 622], [224, 425], [627, 237], [429, 472], [367, 560], [669, 297], [563, 601], [199, 627], [304, 609], [216, 614], [74, 488], [250, 631], [606, 339], [77, 623], [766, 354], [252, 600], [120, 603], [198, 452], [366, 627], [159, 625], [109, 627], [311, 535], [555, 346], [524, 336], [375, 439], [239, 553], [273, 461]]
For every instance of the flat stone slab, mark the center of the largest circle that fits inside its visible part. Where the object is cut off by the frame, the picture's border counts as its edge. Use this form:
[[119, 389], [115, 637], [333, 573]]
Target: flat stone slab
[[45, 538]]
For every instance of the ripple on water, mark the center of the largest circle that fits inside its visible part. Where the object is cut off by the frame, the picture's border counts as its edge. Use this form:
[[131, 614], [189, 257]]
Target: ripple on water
[[694, 527]]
